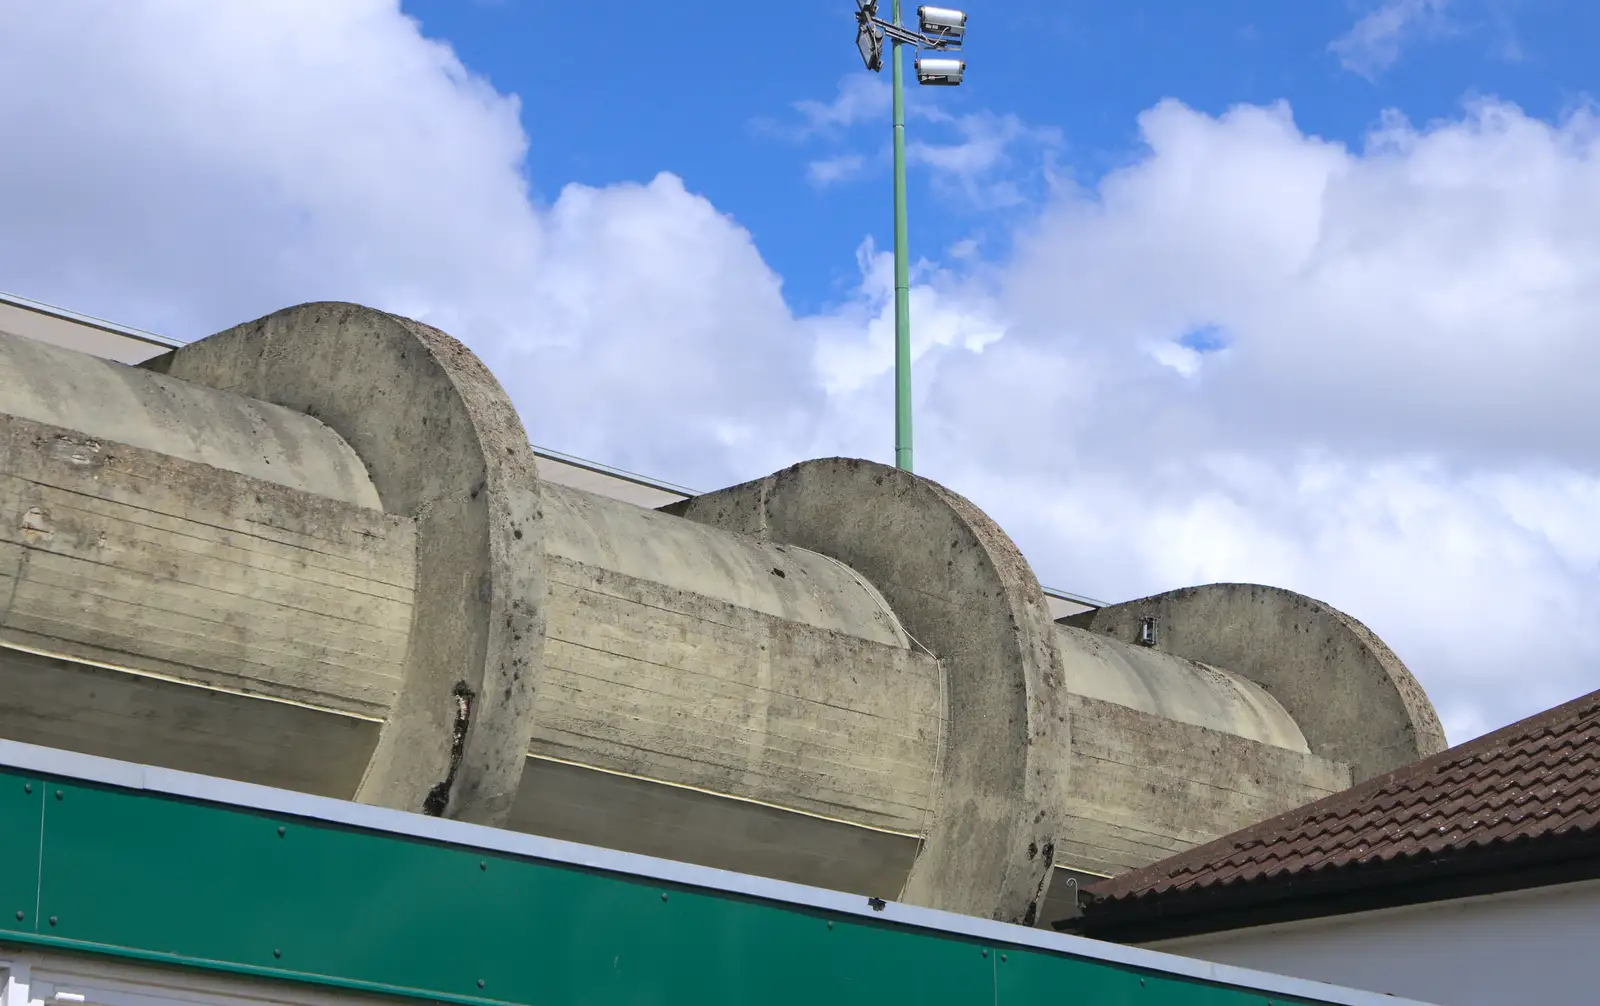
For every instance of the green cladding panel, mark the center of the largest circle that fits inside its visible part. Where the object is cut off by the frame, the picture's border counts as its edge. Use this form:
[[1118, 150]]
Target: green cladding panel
[[20, 799], [159, 877]]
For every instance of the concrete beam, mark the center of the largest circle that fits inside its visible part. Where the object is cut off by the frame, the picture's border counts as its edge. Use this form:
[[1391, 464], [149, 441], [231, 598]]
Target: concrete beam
[[443, 446], [133, 406], [1352, 698], [963, 592], [1175, 688]]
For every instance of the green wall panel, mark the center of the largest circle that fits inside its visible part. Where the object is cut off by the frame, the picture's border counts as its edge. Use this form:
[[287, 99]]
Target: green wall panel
[[142, 874], [1031, 978], [20, 799]]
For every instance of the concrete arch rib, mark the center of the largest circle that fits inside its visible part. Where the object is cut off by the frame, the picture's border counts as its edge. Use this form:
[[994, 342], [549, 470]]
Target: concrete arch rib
[[444, 446], [962, 590], [1351, 696]]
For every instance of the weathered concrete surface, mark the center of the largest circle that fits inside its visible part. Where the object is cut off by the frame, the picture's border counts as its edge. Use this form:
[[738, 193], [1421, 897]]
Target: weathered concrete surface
[[117, 712], [143, 561], [1145, 786], [1144, 678], [839, 675], [1351, 696], [647, 817], [675, 653], [444, 447], [789, 583], [130, 405], [964, 592]]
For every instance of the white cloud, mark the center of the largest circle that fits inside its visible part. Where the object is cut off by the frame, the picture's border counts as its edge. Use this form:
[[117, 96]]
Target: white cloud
[[861, 98], [1398, 424], [1443, 278], [834, 169], [990, 156], [266, 158], [1374, 43], [855, 344], [987, 160]]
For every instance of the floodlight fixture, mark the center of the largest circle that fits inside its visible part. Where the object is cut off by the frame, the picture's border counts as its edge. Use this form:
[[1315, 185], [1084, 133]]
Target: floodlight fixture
[[942, 22], [941, 72], [870, 41]]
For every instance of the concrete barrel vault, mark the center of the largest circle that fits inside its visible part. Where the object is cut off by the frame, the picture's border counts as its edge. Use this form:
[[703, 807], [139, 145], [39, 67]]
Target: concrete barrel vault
[[965, 594], [1352, 698], [313, 552], [444, 447]]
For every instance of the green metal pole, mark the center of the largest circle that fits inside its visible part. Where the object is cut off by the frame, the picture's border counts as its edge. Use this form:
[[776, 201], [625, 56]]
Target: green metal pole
[[902, 274]]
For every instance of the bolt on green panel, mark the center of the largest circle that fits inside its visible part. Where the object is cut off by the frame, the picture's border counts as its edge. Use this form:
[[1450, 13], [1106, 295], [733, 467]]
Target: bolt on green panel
[[20, 802]]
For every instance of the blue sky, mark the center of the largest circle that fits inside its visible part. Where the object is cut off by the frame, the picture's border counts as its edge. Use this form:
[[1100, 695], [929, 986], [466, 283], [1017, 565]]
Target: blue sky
[[709, 93], [1292, 293]]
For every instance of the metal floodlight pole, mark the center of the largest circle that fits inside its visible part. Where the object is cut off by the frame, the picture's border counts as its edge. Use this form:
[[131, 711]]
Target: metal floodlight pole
[[941, 29], [902, 270]]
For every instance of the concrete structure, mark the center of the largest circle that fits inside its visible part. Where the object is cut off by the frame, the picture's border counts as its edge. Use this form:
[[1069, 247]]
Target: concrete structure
[[315, 552]]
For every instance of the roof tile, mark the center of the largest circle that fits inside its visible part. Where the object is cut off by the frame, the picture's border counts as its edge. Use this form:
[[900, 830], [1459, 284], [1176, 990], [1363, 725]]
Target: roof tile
[[1536, 779]]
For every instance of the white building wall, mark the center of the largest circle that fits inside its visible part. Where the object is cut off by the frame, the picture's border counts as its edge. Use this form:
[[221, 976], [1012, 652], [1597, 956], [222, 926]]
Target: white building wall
[[1537, 946]]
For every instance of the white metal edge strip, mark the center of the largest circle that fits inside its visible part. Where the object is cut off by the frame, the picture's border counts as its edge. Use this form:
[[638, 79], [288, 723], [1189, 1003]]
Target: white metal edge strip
[[90, 768], [137, 334]]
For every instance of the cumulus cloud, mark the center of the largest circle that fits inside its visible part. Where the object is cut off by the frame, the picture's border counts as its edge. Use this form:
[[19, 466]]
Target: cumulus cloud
[[1385, 409], [1433, 291], [1249, 354]]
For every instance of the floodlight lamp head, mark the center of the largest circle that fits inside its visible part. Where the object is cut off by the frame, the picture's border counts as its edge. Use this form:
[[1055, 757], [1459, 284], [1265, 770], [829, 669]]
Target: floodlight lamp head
[[942, 22], [869, 8], [940, 72], [869, 40]]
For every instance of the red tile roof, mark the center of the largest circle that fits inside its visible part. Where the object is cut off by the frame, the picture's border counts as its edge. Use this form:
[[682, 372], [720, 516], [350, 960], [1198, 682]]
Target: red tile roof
[[1526, 795]]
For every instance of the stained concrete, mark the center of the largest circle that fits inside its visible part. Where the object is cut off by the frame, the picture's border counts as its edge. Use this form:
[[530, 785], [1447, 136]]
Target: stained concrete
[[445, 448], [791, 583], [1185, 691], [965, 595], [576, 804], [103, 400], [841, 674], [719, 662], [132, 558], [132, 715], [1145, 786], [666, 684], [1353, 699]]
